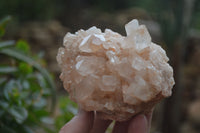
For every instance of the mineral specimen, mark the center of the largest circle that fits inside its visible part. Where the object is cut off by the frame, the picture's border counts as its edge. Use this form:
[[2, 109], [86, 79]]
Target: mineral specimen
[[116, 76]]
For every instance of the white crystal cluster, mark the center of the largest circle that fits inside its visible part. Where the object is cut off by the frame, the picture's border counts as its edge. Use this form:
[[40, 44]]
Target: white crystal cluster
[[116, 76]]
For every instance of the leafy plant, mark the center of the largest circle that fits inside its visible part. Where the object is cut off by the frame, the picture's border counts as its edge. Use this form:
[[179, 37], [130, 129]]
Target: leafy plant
[[67, 110], [26, 88]]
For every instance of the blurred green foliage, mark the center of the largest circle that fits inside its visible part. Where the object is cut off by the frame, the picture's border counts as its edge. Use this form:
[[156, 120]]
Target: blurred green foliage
[[3, 23], [26, 88], [67, 110]]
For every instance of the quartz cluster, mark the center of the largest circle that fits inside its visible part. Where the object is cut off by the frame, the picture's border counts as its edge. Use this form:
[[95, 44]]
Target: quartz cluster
[[116, 76]]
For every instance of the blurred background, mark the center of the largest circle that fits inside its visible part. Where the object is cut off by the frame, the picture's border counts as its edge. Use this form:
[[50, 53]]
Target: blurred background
[[32, 99]]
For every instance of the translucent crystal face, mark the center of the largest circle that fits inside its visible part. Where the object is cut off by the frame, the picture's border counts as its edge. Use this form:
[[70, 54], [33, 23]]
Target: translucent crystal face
[[117, 76]]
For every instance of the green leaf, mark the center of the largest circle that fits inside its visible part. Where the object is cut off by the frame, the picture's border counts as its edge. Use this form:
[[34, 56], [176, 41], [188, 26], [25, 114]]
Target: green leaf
[[8, 88], [6, 43], [34, 86], [2, 113], [24, 94], [4, 105], [72, 109], [23, 46], [26, 129], [25, 84], [4, 21], [15, 54], [25, 68], [19, 113], [41, 113], [47, 120], [41, 80], [60, 121], [2, 31], [7, 69], [15, 94], [2, 80], [65, 101], [40, 103]]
